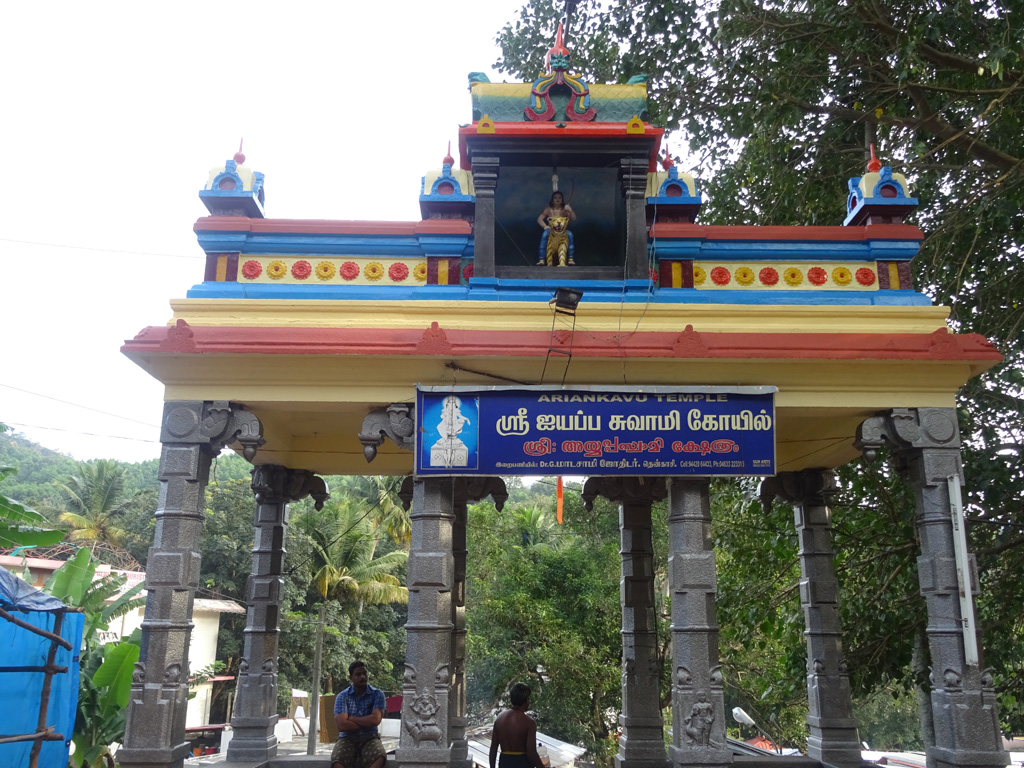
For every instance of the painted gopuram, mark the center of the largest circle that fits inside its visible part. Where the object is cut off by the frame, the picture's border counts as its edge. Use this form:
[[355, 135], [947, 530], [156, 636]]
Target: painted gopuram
[[614, 335]]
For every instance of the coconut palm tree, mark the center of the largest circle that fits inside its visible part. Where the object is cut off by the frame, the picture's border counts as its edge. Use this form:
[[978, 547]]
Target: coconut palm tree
[[92, 502], [344, 562]]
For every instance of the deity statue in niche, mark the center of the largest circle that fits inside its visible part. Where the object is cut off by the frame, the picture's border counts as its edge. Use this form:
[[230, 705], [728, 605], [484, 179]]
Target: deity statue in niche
[[449, 450], [556, 244]]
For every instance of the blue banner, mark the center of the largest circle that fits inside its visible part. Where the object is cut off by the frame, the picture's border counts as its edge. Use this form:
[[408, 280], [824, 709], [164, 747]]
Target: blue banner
[[582, 431]]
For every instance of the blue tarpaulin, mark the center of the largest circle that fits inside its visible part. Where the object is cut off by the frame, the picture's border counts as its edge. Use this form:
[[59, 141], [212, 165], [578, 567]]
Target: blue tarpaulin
[[23, 655]]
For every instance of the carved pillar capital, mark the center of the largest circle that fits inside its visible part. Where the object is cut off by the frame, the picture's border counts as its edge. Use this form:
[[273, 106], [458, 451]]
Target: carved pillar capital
[[633, 176], [275, 484], [485, 175], [808, 487], [465, 490], [212, 425], [904, 429], [397, 423], [625, 490]]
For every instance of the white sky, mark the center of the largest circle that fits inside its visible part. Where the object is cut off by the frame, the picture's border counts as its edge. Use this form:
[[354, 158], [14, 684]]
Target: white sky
[[113, 115]]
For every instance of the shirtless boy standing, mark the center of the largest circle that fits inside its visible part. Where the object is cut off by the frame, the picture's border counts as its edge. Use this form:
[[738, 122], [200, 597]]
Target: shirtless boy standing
[[516, 733]]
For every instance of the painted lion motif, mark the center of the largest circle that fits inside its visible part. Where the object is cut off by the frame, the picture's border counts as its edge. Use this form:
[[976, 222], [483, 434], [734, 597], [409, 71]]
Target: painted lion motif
[[558, 242]]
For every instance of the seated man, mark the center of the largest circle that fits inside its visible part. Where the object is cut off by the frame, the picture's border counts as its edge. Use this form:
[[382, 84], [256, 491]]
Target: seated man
[[358, 711]]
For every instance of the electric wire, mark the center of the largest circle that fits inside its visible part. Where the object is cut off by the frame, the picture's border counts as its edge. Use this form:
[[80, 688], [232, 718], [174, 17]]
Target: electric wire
[[77, 405]]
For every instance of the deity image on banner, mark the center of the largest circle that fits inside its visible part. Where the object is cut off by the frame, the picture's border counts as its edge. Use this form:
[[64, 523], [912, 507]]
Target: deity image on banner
[[453, 441]]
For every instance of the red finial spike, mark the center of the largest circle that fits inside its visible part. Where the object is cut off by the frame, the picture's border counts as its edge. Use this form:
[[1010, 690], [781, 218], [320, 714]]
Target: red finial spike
[[873, 164], [239, 157], [668, 162], [448, 159], [558, 48]]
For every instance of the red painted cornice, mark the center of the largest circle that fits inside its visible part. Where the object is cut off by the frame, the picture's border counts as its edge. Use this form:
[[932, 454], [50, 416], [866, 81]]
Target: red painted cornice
[[436, 341]]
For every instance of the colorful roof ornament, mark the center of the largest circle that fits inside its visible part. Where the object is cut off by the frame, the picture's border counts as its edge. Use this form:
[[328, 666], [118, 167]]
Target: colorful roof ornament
[[447, 194], [557, 64], [234, 190], [879, 196], [672, 196]]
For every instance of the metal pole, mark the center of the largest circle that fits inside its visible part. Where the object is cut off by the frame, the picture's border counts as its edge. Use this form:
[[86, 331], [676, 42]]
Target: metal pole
[[963, 570], [314, 693]]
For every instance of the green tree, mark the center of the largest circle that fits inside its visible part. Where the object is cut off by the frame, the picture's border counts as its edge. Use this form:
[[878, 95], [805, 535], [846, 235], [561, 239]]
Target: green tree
[[93, 503], [344, 565], [547, 613], [21, 525]]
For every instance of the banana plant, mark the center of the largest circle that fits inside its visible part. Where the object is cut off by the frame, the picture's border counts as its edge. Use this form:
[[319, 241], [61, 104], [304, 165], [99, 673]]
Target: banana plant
[[105, 678]]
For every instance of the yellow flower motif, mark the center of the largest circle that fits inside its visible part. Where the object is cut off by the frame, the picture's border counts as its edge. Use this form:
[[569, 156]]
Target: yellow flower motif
[[277, 269], [420, 271], [841, 276], [325, 270], [793, 276], [744, 275], [699, 276], [373, 271]]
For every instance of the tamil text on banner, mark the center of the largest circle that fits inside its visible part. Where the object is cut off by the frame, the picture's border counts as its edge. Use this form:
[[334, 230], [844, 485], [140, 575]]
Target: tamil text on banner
[[581, 431]]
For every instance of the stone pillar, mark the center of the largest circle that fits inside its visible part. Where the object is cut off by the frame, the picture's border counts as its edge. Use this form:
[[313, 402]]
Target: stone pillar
[[633, 177], [191, 435], [485, 179], [641, 740], [467, 490], [698, 699], [255, 715], [925, 443], [425, 740], [457, 696], [832, 728]]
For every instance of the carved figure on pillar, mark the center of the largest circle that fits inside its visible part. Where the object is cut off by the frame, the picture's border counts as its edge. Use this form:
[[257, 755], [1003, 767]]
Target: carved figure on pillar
[[192, 433], [698, 697], [699, 723], [255, 712], [425, 711], [925, 443]]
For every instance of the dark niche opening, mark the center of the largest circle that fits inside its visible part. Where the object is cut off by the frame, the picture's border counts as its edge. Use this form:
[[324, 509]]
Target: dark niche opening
[[595, 194]]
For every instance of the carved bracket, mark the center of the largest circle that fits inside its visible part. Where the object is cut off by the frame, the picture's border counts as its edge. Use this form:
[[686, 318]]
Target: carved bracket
[[213, 425], [641, 490], [906, 428], [397, 422], [814, 487], [270, 481], [466, 490]]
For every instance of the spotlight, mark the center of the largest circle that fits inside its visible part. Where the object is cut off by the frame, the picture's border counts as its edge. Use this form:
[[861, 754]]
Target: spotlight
[[566, 300]]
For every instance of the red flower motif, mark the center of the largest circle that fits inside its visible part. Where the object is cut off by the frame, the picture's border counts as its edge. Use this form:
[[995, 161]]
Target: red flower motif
[[398, 271], [768, 276], [720, 276], [252, 269], [655, 277], [349, 270], [817, 275], [865, 276], [302, 269], [467, 271]]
